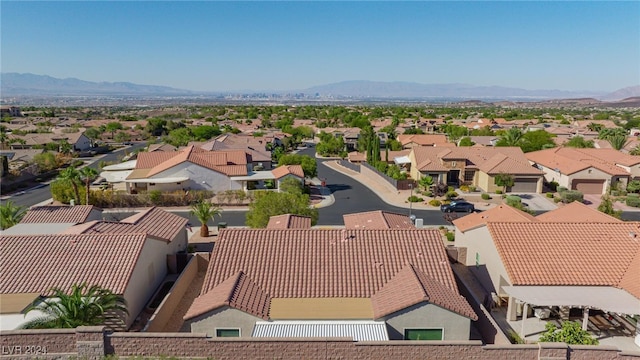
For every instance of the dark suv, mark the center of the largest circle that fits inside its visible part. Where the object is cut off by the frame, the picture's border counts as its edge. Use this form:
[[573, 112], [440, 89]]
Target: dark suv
[[458, 206]]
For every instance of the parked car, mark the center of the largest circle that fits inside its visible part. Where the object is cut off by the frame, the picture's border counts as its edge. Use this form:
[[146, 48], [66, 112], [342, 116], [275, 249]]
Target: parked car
[[458, 206]]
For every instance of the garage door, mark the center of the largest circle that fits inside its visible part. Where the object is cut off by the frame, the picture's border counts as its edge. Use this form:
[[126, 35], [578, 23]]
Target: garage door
[[589, 186], [523, 185]]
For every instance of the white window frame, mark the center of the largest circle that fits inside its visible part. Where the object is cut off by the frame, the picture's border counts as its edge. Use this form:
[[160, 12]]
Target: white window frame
[[215, 331]]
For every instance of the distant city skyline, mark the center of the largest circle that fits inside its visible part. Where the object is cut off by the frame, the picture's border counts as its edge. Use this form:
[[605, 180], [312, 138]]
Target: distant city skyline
[[262, 46]]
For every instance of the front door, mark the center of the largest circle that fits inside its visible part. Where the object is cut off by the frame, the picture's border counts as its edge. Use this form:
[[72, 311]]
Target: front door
[[453, 177]]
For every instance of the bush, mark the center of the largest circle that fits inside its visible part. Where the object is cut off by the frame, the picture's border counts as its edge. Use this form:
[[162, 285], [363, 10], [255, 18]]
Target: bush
[[414, 198], [562, 189], [427, 193], [633, 186], [155, 196], [514, 201], [498, 192], [549, 195], [472, 188], [435, 202], [553, 186], [451, 236], [571, 196], [464, 188], [485, 196], [556, 200], [451, 195], [450, 189], [633, 201]]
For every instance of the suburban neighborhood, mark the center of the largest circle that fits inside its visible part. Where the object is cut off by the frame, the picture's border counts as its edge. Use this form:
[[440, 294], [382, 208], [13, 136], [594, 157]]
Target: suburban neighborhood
[[204, 224]]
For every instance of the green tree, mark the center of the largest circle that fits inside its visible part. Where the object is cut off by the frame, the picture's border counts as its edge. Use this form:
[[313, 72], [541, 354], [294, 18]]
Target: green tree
[[537, 140], [455, 132], [72, 176], [594, 127], [606, 206], [292, 186], [466, 141], [122, 136], [204, 210], [87, 174], [93, 134], [271, 203], [617, 141], [579, 142], [10, 214], [113, 127], [426, 182], [511, 137], [606, 133], [570, 333], [633, 186], [45, 161], [309, 164], [84, 305], [505, 180], [179, 137]]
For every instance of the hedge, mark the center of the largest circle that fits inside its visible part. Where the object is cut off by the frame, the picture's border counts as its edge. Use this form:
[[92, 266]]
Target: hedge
[[571, 196], [633, 201]]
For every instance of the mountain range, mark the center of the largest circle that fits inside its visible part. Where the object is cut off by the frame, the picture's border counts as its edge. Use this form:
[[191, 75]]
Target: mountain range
[[16, 84]]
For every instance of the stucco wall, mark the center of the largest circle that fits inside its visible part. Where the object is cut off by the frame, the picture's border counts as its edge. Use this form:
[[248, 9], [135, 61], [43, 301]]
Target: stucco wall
[[148, 273], [490, 270], [428, 316], [590, 174], [200, 178], [223, 318]]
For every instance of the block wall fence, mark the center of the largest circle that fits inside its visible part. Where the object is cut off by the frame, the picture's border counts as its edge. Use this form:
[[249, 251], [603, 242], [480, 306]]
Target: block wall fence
[[96, 343]]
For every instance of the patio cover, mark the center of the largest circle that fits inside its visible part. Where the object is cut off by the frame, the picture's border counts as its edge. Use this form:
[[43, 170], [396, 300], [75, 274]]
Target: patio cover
[[361, 330], [167, 180], [402, 160], [255, 176], [128, 165], [115, 176], [605, 298]]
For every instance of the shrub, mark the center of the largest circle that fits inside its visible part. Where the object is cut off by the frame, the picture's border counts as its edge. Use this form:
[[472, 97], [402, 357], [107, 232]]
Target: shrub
[[556, 200], [553, 186], [571, 196], [472, 188], [451, 236], [464, 188], [485, 196], [549, 195], [414, 198], [450, 188], [435, 202], [562, 189], [633, 186], [513, 200], [633, 201], [427, 193], [498, 192], [155, 196], [451, 195]]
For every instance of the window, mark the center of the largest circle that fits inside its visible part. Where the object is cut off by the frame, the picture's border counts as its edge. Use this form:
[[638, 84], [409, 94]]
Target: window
[[152, 184], [453, 164], [227, 332], [423, 334], [469, 175]]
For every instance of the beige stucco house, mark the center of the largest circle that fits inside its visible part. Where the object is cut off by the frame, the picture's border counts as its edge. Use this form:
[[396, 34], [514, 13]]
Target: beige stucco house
[[591, 171], [365, 284], [477, 166]]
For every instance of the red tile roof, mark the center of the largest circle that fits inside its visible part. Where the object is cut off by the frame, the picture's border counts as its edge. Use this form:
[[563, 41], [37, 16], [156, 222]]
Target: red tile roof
[[575, 212], [589, 254], [377, 219], [58, 214], [238, 291], [423, 139], [500, 213], [154, 221], [411, 286], [491, 160], [569, 160], [35, 263], [289, 221], [316, 263], [285, 170]]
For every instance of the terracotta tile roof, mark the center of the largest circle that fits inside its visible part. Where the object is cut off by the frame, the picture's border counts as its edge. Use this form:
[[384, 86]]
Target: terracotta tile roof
[[239, 292], [586, 254], [423, 139], [631, 279], [289, 221], [501, 163], [500, 213], [154, 222], [411, 286], [357, 156], [35, 263], [569, 161], [230, 163], [612, 156], [316, 263], [58, 214], [576, 212], [377, 219], [161, 147], [285, 170]]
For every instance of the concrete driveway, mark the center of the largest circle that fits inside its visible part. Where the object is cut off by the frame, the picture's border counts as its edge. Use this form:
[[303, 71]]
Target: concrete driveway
[[537, 202]]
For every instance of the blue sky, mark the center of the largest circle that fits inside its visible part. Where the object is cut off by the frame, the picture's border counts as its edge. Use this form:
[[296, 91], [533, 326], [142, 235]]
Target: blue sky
[[212, 45]]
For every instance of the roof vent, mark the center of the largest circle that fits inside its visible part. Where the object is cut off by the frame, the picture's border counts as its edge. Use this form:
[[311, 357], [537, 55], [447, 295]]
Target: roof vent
[[632, 234]]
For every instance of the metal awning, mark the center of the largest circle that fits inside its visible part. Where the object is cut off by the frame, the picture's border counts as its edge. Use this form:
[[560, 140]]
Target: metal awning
[[363, 330], [402, 160], [167, 180], [605, 298]]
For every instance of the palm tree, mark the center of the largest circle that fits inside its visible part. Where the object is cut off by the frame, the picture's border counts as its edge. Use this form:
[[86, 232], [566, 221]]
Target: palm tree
[[617, 141], [426, 182], [72, 175], [204, 211], [511, 137], [88, 174], [10, 214], [84, 305]]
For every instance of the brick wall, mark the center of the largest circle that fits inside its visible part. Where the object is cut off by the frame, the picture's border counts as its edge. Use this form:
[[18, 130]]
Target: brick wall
[[93, 343]]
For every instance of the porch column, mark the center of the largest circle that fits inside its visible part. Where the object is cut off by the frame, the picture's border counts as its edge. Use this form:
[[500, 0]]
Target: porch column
[[525, 310], [637, 339], [585, 318], [512, 309]]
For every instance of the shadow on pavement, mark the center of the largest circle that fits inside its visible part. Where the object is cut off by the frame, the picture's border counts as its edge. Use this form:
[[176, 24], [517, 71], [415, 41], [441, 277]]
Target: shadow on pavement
[[338, 187]]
